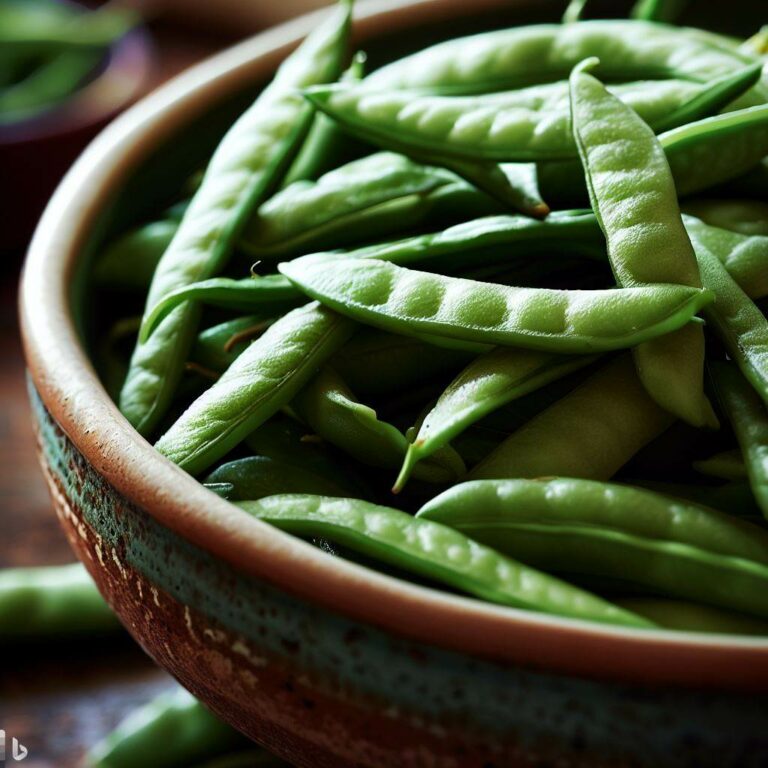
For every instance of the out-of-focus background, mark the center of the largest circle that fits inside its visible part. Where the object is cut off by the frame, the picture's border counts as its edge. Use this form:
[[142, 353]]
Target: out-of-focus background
[[60, 699]]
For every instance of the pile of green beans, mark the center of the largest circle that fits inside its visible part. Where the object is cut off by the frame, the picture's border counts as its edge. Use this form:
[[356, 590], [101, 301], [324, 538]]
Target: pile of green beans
[[50, 50], [450, 315]]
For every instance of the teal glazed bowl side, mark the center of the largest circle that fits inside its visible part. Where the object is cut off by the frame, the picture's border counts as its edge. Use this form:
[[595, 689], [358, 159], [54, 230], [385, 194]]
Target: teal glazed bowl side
[[323, 661]]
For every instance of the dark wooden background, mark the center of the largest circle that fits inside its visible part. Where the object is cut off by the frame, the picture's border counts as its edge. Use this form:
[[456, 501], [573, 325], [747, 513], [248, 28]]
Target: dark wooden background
[[58, 699]]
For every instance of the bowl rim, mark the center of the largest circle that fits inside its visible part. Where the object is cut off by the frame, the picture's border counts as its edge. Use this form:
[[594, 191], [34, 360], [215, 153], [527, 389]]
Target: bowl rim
[[72, 393]]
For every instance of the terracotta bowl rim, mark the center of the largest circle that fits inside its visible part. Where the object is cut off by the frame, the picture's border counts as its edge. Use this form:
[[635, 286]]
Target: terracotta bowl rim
[[70, 390]]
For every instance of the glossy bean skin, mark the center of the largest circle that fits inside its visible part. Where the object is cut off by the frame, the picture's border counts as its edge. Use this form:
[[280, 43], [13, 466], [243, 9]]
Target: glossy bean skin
[[244, 168], [174, 729], [268, 293], [590, 433], [362, 200], [744, 217], [52, 602], [501, 60], [254, 477], [331, 410], [515, 126], [735, 318], [374, 362], [749, 419], [489, 382], [578, 526], [634, 198], [734, 498], [433, 550], [263, 379], [407, 301]]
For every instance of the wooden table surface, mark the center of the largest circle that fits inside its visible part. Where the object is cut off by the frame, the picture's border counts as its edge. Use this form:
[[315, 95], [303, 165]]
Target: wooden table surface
[[58, 699]]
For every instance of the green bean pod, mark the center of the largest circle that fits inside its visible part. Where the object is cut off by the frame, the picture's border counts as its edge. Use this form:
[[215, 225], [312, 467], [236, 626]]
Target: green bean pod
[[406, 301], [51, 601], [634, 198], [433, 550], [489, 382], [267, 293], [174, 729], [724, 465], [748, 218], [749, 419], [591, 433], [245, 167], [581, 527], [265, 377], [220, 345], [514, 126]]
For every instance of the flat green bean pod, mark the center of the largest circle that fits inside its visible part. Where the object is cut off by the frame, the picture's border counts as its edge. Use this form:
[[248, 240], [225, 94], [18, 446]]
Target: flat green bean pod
[[543, 53], [407, 301], [267, 293], [219, 346], [515, 126], [173, 729], [51, 601], [331, 410], [748, 416], [433, 550], [583, 527], [591, 432], [744, 217], [634, 198], [245, 167], [492, 380], [264, 378], [367, 198]]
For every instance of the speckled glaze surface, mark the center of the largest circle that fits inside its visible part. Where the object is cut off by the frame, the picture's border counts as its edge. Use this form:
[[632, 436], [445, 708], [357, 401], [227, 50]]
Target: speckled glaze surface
[[323, 661]]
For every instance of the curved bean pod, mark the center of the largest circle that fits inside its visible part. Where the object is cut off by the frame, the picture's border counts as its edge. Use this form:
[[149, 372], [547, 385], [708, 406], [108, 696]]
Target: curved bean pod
[[269, 293], [265, 377], [514, 126], [492, 380], [435, 551], [725, 465], [407, 301], [749, 419], [219, 346], [579, 526], [634, 198], [244, 168], [591, 433]]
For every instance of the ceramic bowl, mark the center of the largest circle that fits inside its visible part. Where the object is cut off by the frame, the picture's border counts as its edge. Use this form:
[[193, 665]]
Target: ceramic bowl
[[323, 661]]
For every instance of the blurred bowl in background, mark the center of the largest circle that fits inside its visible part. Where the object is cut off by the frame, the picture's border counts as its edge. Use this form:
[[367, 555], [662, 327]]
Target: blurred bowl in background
[[35, 152]]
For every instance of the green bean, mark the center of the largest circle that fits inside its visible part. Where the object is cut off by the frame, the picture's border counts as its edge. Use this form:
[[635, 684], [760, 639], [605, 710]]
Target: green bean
[[515, 126], [725, 465], [522, 56], [583, 527], [745, 258], [633, 196], [406, 301], [734, 498], [373, 362], [658, 10], [130, 261], [247, 164], [264, 378], [330, 408], [433, 550], [591, 433], [256, 293], [692, 617], [744, 217], [219, 346], [325, 142], [171, 731], [375, 196], [749, 419], [51, 601], [255, 477], [734, 317], [492, 380]]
